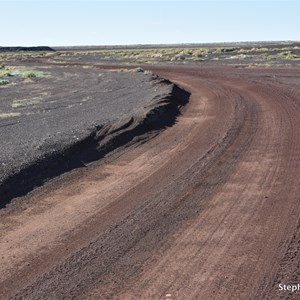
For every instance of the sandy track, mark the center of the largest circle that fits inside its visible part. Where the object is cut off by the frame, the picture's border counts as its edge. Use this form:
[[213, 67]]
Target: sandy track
[[205, 210]]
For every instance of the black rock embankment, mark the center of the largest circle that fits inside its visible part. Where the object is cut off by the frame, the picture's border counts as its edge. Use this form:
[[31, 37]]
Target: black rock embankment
[[26, 49], [157, 114]]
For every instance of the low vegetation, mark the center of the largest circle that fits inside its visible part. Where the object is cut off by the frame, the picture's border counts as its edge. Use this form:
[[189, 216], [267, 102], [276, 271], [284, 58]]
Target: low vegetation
[[167, 55], [139, 70], [177, 55], [4, 82], [29, 74], [8, 73], [5, 73], [25, 102], [9, 115]]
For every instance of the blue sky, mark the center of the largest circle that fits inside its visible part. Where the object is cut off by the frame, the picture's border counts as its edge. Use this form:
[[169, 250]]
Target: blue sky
[[54, 23]]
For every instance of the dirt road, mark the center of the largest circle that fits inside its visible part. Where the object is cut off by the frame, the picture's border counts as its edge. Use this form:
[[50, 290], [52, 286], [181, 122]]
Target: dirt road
[[208, 209]]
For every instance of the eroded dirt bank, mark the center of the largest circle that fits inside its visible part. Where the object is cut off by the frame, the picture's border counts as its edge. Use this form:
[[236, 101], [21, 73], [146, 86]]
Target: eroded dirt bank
[[205, 210]]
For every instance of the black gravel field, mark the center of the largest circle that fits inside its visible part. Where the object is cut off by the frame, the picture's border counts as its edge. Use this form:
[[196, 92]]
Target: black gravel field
[[61, 118]]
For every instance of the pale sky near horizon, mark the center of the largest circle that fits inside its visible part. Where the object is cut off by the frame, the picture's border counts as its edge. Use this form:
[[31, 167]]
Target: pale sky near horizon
[[62, 23]]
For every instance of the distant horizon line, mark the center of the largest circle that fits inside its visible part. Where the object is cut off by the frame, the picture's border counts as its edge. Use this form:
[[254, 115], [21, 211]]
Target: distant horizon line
[[161, 44]]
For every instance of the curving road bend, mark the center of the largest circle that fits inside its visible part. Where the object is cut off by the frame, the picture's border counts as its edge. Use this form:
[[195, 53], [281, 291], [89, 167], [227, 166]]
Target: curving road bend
[[208, 209]]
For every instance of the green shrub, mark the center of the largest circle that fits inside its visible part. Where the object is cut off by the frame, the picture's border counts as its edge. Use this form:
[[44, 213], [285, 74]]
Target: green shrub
[[5, 73], [4, 82], [139, 70], [29, 75], [291, 56]]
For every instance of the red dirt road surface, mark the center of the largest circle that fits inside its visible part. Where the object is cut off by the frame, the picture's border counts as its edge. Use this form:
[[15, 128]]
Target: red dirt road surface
[[208, 209]]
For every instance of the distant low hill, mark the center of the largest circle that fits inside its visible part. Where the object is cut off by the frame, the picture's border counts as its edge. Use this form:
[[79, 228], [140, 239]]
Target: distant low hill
[[25, 49]]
